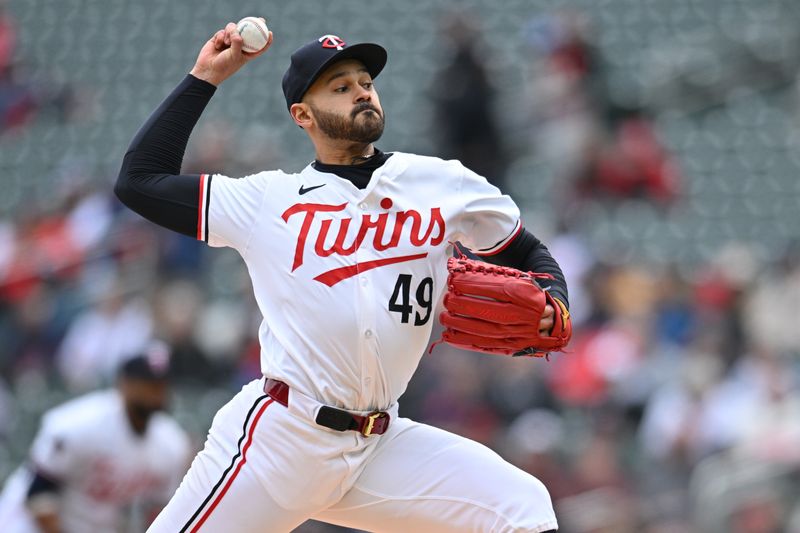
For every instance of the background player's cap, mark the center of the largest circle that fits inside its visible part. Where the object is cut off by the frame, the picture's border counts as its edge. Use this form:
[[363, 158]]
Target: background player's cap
[[150, 364], [311, 59]]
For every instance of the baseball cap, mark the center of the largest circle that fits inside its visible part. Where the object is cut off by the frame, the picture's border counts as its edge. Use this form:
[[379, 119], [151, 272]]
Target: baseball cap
[[311, 59], [152, 364]]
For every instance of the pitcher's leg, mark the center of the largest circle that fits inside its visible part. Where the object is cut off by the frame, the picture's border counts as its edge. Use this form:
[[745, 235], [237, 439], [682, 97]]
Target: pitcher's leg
[[224, 489], [424, 479]]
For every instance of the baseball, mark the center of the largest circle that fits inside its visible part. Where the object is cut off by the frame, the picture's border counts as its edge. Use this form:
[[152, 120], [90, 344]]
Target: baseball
[[254, 32]]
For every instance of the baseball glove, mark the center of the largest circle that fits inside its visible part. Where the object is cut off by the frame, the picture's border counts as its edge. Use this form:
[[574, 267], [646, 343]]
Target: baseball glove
[[495, 309]]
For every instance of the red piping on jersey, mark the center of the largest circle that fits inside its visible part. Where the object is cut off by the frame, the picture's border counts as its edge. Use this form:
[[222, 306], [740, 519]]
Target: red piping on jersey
[[200, 207], [332, 277], [238, 467], [503, 247]]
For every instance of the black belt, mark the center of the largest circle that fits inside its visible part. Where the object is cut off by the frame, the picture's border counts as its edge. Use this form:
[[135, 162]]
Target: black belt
[[375, 423]]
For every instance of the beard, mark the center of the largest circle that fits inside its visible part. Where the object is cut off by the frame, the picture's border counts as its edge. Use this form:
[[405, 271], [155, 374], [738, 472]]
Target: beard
[[139, 415], [145, 411], [360, 126]]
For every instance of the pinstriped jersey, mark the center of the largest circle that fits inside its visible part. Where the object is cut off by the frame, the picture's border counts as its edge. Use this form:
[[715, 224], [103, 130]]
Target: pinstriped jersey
[[348, 279]]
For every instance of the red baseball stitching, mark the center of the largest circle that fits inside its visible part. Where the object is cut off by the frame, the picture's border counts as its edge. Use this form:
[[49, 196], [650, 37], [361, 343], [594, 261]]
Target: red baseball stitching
[[258, 27]]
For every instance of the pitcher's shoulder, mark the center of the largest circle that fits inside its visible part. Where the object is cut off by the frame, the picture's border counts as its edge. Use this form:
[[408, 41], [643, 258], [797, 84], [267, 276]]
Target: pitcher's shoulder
[[417, 161], [259, 176]]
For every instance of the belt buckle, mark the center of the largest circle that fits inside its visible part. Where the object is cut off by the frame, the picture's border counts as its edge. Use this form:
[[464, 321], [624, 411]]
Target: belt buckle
[[371, 418]]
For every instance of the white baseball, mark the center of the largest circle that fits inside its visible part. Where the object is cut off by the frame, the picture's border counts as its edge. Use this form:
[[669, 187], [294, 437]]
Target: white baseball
[[254, 33]]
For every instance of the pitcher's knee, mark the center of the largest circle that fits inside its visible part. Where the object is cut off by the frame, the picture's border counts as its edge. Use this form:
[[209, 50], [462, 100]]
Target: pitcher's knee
[[530, 509]]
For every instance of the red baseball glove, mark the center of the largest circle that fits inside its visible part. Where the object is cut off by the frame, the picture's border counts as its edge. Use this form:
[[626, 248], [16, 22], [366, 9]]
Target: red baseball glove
[[497, 310]]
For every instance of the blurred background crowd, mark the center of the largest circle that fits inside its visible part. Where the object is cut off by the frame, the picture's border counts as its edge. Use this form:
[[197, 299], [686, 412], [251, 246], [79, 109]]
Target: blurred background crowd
[[653, 145]]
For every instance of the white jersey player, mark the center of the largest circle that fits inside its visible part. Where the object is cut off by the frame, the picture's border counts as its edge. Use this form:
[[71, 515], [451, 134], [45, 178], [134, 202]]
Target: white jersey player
[[347, 261], [97, 455]]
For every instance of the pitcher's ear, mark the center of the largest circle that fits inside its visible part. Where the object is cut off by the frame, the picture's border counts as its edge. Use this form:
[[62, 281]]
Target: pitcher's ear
[[301, 114]]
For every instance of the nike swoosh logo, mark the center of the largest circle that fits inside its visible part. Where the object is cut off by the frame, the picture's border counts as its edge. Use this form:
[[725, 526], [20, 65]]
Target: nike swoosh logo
[[303, 190]]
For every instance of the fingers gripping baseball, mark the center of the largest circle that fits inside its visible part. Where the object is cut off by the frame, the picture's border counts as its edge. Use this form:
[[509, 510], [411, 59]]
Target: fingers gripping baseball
[[222, 55]]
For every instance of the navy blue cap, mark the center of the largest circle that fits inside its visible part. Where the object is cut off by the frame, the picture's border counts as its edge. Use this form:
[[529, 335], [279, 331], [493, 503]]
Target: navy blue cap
[[311, 59], [152, 364]]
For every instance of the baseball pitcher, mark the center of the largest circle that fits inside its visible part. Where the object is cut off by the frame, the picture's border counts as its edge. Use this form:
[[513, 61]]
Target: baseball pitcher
[[348, 259]]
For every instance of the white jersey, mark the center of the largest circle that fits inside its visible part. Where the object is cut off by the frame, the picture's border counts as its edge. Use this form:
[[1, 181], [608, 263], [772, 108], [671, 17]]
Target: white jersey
[[348, 279], [103, 466]]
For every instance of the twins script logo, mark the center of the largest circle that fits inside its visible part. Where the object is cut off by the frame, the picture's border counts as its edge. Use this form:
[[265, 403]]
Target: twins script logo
[[385, 233], [109, 483]]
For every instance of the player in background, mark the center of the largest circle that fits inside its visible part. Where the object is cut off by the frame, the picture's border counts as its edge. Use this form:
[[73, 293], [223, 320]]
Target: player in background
[[347, 260], [96, 455]]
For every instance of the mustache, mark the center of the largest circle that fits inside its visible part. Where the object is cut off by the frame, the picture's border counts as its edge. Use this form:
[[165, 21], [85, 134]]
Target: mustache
[[364, 106]]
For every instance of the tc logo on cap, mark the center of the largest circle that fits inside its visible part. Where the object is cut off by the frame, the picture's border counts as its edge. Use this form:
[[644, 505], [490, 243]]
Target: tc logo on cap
[[332, 41]]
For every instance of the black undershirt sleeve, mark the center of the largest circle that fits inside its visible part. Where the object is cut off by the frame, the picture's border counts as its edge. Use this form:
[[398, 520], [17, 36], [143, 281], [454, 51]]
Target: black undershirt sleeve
[[527, 253], [150, 180]]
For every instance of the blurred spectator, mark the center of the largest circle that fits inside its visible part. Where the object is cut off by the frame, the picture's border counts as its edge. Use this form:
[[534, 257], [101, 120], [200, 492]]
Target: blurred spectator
[[675, 321], [605, 358], [463, 95], [211, 148], [113, 328], [564, 38], [565, 96], [28, 334], [17, 100], [772, 305], [690, 419], [177, 308], [631, 162], [597, 148], [90, 218], [22, 95], [720, 288], [769, 430], [8, 40], [576, 260], [41, 248], [258, 147]]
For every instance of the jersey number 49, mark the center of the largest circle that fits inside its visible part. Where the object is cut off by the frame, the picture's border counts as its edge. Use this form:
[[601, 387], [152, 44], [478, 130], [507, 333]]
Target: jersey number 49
[[400, 300]]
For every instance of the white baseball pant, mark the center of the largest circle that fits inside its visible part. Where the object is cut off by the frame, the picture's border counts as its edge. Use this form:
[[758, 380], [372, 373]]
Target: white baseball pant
[[266, 468]]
